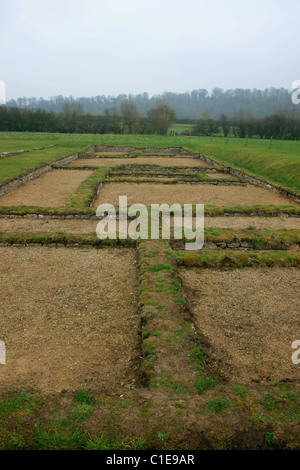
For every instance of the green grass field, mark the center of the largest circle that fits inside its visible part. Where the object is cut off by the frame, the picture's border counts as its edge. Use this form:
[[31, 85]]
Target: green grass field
[[279, 165]]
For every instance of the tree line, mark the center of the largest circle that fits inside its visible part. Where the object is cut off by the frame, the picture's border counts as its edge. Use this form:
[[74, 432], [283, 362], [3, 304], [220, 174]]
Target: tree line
[[283, 125], [73, 120], [189, 105]]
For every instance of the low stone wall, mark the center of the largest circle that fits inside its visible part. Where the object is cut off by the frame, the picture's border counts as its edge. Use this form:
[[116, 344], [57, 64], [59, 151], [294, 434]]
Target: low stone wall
[[253, 180], [10, 154], [31, 175], [108, 149], [174, 150], [50, 217], [263, 184], [235, 245], [17, 152], [215, 182], [158, 169], [41, 148], [149, 150], [96, 193], [208, 160]]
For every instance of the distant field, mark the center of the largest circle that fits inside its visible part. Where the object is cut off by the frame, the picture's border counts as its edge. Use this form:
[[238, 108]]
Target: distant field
[[279, 164], [180, 128]]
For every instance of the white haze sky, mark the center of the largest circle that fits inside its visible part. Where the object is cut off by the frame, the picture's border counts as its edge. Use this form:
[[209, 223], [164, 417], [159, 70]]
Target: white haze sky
[[110, 47]]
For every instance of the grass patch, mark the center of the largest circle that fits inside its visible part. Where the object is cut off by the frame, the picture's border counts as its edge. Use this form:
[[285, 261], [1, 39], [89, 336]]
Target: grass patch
[[269, 402], [82, 397], [204, 383], [217, 405], [110, 442], [240, 391], [57, 436], [156, 268], [18, 402], [197, 355]]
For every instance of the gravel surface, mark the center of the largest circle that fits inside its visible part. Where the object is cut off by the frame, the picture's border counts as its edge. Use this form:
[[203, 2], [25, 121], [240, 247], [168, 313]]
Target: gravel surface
[[249, 318], [149, 193], [255, 222], [52, 189], [68, 318]]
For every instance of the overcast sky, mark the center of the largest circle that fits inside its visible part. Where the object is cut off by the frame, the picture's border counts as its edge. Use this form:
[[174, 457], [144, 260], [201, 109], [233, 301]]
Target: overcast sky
[[110, 47]]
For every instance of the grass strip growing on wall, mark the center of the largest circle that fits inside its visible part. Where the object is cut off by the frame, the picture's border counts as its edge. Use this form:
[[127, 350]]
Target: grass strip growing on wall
[[280, 239], [236, 259], [60, 238], [265, 211], [274, 239]]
